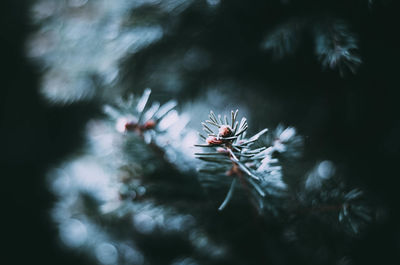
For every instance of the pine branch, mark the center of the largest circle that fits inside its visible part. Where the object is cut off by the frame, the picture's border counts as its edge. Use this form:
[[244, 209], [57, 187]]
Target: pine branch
[[285, 39], [229, 154], [236, 156], [336, 47], [115, 181]]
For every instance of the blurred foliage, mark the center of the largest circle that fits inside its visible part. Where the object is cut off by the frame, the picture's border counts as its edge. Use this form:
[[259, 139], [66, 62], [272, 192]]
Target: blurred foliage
[[278, 61]]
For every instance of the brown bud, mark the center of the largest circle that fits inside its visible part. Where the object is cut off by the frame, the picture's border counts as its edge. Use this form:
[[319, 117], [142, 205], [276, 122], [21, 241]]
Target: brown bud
[[234, 171], [130, 126], [225, 131], [213, 140]]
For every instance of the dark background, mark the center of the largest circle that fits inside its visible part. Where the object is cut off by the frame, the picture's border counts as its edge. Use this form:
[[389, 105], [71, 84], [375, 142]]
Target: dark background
[[351, 119], [34, 136]]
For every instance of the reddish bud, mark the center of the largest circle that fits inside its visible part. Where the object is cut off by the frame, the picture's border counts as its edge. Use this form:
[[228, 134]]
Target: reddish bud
[[130, 126], [234, 171], [213, 140], [150, 124], [225, 131]]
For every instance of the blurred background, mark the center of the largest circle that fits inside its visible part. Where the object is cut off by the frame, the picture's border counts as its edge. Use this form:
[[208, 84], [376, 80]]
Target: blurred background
[[328, 68]]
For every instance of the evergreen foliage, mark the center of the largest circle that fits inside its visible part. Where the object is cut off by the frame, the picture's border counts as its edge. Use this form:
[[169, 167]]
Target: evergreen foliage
[[132, 182], [124, 193]]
